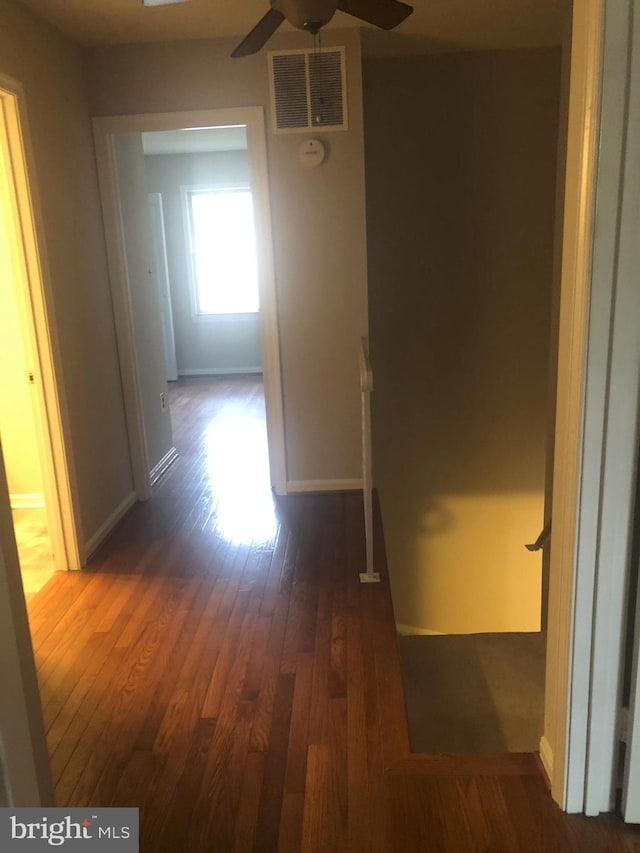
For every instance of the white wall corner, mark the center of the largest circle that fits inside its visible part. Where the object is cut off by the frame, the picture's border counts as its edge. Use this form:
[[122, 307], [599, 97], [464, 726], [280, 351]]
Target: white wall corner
[[92, 544]]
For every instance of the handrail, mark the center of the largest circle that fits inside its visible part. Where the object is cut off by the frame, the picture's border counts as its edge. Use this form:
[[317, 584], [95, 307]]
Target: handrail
[[541, 541], [366, 387], [366, 374]]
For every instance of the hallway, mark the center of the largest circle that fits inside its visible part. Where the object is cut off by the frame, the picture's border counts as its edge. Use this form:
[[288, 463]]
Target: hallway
[[220, 666]]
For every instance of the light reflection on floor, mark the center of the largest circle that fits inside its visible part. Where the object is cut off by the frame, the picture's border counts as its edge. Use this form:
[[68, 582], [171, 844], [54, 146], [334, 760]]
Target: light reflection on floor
[[237, 464]]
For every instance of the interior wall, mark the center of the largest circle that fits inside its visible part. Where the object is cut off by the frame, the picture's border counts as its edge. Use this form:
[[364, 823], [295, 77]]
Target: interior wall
[[217, 343], [49, 68], [318, 223], [145, 300], [460, 160]]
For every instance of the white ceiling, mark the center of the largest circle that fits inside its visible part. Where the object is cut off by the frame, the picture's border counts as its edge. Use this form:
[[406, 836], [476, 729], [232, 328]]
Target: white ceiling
[[195, 140], [434, 26]]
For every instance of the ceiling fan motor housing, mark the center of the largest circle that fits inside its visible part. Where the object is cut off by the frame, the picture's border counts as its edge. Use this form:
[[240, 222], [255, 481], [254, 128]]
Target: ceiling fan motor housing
[[307, 15]]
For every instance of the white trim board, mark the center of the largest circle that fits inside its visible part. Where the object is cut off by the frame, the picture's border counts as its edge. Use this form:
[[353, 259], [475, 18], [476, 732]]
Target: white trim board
[[546, 757], [93, 543], [27, 501], [295, 487], [218, 371], [163, 465], [614, 323], [570, 611]]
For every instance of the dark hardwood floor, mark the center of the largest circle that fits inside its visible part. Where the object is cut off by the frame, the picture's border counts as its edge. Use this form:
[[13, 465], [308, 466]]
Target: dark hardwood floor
[[220, 666]]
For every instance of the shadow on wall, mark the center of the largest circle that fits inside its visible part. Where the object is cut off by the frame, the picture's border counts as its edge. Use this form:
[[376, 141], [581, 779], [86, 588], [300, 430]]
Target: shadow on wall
[[460, 162]]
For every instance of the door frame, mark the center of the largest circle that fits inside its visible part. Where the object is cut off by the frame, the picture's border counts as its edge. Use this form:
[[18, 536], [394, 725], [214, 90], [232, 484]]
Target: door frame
[[597, 417], [105, 129], [39, 331]]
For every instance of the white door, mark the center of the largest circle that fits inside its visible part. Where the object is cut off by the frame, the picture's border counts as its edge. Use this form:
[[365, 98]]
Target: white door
[[162, 277]]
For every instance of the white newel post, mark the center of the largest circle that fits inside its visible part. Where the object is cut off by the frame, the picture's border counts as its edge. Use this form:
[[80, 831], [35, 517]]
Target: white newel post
[[366, 387]]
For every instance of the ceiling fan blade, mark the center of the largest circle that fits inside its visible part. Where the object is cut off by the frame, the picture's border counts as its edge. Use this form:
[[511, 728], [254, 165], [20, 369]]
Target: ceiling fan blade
[[260, 34], [386, 14]]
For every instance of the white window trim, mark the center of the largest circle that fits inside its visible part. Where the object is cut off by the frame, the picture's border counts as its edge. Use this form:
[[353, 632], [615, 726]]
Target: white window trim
[[186, 190]]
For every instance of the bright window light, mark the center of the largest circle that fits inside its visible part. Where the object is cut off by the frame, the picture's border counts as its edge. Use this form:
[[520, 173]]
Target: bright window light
[[223, 248]]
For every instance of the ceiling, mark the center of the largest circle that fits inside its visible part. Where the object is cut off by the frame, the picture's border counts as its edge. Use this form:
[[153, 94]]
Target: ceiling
[[434, 26]]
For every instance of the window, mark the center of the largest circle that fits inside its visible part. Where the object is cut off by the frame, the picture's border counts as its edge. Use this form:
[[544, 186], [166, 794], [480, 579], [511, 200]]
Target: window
[[224, 270]]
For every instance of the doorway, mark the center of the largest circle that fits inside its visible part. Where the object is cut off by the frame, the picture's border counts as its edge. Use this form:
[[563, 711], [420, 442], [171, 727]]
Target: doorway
[[19, 431], [460, 362], [204, 250], [187, 207], [30, 416], [110, 134]]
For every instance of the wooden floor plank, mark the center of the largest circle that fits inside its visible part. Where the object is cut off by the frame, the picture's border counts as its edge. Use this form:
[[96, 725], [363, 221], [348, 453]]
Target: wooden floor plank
[[244, 690]]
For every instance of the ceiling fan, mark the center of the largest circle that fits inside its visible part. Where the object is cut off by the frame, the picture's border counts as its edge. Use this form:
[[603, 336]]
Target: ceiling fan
[[311, 15]]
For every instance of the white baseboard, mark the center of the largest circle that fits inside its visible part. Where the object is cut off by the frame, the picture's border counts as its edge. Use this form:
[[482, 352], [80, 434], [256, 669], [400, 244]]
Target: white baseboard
[[27, 501], [218, 371], [158, 470], [413, 631], [105, 529], [546, 756], [300, 486]]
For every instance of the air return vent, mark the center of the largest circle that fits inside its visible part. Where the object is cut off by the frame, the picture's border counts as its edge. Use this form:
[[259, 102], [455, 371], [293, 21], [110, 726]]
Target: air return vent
[[308, 90]]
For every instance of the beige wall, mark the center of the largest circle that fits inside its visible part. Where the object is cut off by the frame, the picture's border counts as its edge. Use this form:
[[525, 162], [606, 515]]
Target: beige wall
[[49, 68], [460, 159], [228, 342], [318, 228]]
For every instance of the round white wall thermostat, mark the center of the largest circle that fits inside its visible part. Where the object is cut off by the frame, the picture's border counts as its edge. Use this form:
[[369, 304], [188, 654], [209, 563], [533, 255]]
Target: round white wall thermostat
[[311, 152]]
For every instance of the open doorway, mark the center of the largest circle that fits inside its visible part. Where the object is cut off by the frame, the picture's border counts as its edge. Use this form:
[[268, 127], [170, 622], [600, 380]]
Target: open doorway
[[174, 159], [204, 248], [20, 442], [203, 237], [462, 352], [30, 417]]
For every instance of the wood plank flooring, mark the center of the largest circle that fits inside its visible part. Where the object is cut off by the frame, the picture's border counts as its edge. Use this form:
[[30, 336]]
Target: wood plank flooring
[[220, 666]]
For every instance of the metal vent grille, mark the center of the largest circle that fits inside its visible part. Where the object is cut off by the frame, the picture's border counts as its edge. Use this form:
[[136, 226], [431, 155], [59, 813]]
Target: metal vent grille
[[290, 86], [325, 89], [308, 90]]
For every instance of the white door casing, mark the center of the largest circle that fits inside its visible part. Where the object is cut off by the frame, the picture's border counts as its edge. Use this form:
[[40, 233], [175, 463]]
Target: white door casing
[[628, 368], [597, 418]]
